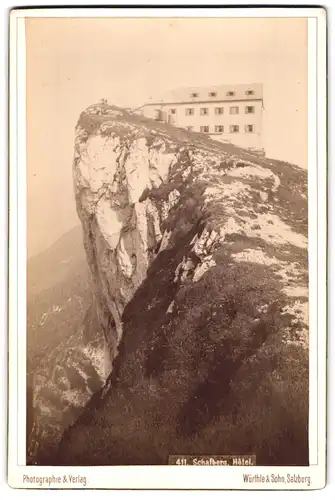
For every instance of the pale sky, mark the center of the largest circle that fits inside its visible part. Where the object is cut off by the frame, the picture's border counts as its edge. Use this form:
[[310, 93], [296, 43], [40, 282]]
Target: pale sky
[[72, 63]]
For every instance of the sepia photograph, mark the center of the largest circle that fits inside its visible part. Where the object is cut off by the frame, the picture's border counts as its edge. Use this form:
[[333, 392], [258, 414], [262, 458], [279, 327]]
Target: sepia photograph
[[168, 249]]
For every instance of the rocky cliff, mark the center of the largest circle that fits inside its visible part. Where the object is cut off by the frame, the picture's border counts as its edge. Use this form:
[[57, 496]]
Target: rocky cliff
[[198, 253]]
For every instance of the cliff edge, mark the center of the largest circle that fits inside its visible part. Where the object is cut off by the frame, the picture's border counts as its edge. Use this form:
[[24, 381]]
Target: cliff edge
[[198, 253]]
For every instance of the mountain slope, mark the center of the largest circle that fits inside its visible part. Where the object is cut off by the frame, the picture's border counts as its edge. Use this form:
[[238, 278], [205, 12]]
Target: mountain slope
[[64, 344], [198, 253]]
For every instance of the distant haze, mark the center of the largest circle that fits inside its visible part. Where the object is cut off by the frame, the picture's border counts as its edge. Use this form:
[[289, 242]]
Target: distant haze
[[73, 62]]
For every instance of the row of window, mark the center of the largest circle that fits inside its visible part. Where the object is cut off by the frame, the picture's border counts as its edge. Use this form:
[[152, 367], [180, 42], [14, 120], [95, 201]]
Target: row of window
[[233, 110], [233, 129], [230, 93]]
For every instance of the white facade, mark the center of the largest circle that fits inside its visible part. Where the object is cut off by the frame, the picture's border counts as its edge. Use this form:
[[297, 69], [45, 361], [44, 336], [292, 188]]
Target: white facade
[[229, 113]]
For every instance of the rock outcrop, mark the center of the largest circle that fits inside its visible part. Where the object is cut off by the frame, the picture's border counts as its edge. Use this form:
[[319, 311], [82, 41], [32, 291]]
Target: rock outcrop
[[198, 253]]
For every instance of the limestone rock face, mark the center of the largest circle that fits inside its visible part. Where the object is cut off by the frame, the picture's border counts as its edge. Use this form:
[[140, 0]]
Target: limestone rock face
[[198, 253]]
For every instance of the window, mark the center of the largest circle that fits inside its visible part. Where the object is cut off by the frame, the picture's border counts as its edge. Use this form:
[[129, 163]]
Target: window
[[219, 128], [219, 111], [234, 110], [194, 94], [189, 127], [204, 111], [233, 129], [249, 109], [173, 111], [189, 111], [249, 92], [212, 94], [205, 129], [249, 128], [230, 93]]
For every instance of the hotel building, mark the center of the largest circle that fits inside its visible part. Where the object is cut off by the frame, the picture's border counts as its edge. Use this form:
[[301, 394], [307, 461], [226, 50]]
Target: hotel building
[[226, 112]]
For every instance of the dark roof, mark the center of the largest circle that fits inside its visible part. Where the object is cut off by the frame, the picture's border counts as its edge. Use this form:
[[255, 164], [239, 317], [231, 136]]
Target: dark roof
[[215, 93]]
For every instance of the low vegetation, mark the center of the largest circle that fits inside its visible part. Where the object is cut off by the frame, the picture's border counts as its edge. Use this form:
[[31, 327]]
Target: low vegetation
[[214, 376]]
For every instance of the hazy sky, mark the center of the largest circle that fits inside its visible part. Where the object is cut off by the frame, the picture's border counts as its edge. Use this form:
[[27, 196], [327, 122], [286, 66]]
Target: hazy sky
[[72, 63]]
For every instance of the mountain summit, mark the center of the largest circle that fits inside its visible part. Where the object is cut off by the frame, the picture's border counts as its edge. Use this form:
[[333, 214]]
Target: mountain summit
[[198, 254]]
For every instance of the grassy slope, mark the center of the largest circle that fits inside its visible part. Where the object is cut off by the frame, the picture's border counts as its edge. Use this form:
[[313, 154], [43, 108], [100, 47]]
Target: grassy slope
[[215, 375]]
